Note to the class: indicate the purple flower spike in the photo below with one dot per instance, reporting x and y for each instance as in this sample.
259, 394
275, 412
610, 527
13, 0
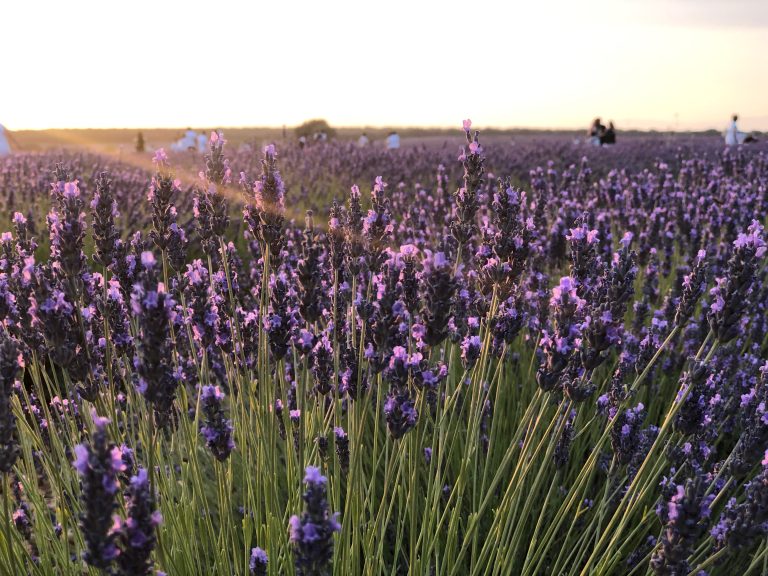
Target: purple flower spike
685, 515
342, 448
732, 292
136, 535
217, 429
98, 465
9, 367
258, 562
311, 534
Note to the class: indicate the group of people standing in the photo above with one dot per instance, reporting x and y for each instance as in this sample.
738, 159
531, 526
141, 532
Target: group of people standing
191, 140
599, 135
392, 142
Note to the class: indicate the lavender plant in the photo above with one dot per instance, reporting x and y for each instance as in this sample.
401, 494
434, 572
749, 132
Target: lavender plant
559, 369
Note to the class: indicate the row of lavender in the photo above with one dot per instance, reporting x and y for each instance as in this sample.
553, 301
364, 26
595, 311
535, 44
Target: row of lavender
322, 172
466, 378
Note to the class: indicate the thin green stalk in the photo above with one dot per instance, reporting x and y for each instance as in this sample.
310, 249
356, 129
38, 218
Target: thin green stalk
7, 521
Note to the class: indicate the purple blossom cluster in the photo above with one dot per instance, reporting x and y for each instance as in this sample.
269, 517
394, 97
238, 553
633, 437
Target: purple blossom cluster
98, 465
217, 429
457, 308
311, 534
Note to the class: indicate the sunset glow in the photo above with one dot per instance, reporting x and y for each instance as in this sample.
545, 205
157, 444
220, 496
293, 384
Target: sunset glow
675, 64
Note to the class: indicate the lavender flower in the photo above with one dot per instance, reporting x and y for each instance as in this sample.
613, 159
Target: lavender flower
386, 317
116, 313
278, 323
586, 264
217, 429
685, 514
742, 525
753, 409
377, 226
563, 446
342, 448
310, 275
66, 229
506, 242
470, 350
136, 534
625, 433
176, 246
203, 308
162, 193
353, 233
265, 218
25, 241
409, 282
278, 409
507, 322
53, 314
732, 292
335, 237
105, 234
400, 412
693, 287
322, 446
322, 366
258, 562
464, 226
9, 367
690, 417
154, 309
351, 382
98, 465
311, 534
559, 343
210, 208
438, 286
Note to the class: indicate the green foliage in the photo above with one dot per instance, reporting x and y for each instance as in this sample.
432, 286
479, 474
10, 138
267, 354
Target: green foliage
312, 127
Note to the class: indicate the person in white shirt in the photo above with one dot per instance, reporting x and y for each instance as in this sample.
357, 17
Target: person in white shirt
363, 141
732, 135
189, 142
393, 141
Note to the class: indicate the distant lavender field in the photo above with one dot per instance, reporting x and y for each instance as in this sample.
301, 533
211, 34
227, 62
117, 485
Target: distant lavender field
480, 356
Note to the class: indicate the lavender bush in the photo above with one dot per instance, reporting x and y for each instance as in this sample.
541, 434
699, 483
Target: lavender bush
502, 359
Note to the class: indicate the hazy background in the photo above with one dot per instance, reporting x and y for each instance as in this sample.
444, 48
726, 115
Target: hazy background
648, 64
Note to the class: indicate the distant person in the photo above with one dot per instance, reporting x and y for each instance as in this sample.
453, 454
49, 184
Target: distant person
393, 141
187, 142
140, 145
609, 135
202, 142
596, 132
190, 140
363, 141
5, 139
733, 137
302, 142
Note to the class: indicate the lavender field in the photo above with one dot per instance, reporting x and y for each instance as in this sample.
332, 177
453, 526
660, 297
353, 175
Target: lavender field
509, 359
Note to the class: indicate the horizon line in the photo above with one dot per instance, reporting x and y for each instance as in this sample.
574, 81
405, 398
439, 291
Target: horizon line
367, 127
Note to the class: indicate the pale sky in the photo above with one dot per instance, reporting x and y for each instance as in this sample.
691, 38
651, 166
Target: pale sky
664, 64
